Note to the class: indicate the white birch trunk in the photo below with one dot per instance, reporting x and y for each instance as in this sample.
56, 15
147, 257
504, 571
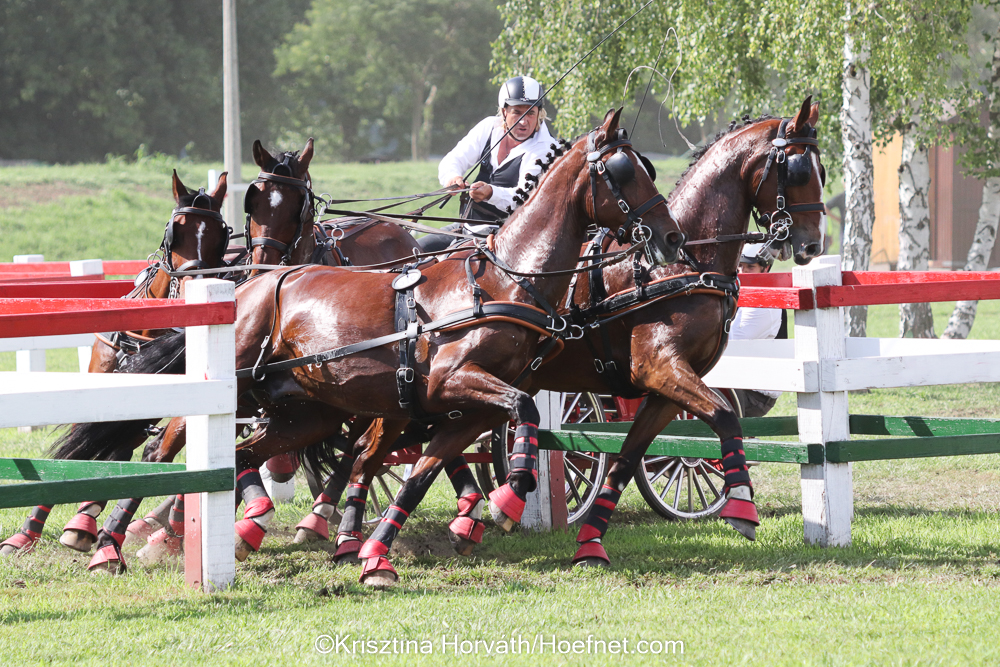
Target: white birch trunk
962, 318
856, 133
914, 229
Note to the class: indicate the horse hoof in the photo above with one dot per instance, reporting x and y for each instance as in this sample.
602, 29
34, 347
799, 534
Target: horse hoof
743, 527
306, 535
462, 546
592, 562
137, 533
243, 550
161, 548
501, 519
108, 568
379, 580
77, 540
8, 549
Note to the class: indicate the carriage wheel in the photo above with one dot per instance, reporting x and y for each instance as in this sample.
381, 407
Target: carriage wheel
678, 487
585, 471
382, 492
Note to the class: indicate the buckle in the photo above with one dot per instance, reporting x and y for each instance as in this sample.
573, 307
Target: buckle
623, 205
779, 203
536, 363
405, 374
455, 414
598, 366
572, 335
707, 282
552, 327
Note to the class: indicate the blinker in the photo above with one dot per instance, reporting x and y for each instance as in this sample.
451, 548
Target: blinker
621, 168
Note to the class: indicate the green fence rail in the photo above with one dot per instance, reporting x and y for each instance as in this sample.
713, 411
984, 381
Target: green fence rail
926, 437
53, 482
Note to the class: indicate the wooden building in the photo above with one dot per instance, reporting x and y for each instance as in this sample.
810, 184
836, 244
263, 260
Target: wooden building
954, 202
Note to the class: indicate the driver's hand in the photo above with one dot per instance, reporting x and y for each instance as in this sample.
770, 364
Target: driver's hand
480, 191
458, 183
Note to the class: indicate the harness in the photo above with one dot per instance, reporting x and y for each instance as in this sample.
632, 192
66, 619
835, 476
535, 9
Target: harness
604, 309
541, 318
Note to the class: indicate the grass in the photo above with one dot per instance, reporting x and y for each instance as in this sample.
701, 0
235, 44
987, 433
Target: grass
919, 584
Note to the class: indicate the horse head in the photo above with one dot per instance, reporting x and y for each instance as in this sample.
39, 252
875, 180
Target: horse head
621, 194
787, 179
279, 205
196, 236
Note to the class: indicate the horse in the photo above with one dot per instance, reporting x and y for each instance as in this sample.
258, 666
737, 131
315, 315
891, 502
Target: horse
301, 334
663, 328
195, 237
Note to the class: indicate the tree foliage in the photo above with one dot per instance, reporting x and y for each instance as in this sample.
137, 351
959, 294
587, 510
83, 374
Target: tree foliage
358, 75
83, 78
760, 56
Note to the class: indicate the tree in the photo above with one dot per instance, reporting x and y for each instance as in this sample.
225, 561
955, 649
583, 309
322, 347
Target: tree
982, 160
862, 61
362, 76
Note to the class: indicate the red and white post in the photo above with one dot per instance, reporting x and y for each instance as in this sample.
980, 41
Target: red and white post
827, 489
209, 539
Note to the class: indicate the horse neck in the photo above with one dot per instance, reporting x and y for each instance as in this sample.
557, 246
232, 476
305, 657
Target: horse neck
713, 199
159, 287
547, 232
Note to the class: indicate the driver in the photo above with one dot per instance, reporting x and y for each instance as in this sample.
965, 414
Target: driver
504, 159
756, 323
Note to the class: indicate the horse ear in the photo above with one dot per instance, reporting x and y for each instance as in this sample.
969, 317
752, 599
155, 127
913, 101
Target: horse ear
179, 188
220, 189
802, 117
306, 156
609, 125
814, 114
261, 156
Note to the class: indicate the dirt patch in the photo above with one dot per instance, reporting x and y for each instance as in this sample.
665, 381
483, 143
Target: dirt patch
38, 193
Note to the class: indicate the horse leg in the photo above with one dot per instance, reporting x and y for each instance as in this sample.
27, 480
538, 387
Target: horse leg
369, 452
466, 530
24, 540
653, 416
139, 530
316, 525
257, 514
686, 389
167, 543
507, 502
108, 559
377, 570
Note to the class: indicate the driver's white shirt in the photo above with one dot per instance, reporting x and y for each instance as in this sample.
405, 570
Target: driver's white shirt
466, 154
756, 324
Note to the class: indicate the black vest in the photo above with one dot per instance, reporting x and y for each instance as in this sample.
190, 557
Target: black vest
507, 176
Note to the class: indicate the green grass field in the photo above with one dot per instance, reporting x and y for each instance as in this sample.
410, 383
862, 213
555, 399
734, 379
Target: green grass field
919, 586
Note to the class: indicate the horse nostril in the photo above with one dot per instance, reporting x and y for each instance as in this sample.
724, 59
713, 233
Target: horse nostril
813, 250
674, 239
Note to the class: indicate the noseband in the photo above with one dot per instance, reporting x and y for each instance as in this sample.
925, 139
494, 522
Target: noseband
617, 172
779, 221
201, 206
307, 213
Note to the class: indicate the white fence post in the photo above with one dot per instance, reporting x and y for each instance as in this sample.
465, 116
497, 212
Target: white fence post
211, 354
538, 506
29, 361
28, 259
85, 267
827, 489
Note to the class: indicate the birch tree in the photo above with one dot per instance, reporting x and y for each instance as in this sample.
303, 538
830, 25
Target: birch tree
914, 227
982, 159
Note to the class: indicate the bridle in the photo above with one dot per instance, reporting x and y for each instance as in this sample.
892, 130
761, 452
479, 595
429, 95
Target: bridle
202, 207
306, 214
779, 221
618, 171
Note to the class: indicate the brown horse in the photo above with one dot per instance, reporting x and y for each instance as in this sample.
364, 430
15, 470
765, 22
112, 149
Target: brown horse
460, 374
195, 237
670, 327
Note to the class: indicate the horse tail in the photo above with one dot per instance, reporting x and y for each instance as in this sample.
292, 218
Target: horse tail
103, 440
322, 457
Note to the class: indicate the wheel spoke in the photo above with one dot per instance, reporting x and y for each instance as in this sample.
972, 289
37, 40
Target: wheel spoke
690, 483
576, 494
701, 494
569, 410
708, 480
670, 481
670, 462
576, 471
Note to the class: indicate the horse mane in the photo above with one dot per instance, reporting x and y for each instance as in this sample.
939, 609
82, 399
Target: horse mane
556, 150
733, 126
